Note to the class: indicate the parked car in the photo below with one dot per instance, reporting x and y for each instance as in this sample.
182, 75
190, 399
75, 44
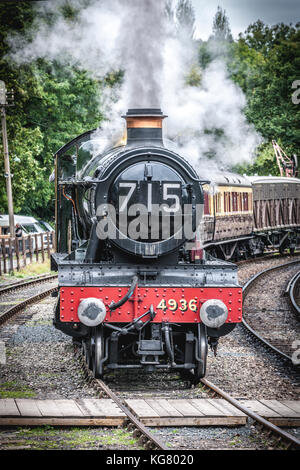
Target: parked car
29, 225
45, 226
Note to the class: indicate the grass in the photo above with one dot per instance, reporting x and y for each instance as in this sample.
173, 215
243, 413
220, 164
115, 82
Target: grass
15, 390
33, 269
48, 437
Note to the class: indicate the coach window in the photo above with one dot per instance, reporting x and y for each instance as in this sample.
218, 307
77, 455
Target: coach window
234, 201
206, 203
218, 203
228, 208
245, 202
241, 202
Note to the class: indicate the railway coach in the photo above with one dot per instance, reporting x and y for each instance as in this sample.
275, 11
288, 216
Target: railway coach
244, 216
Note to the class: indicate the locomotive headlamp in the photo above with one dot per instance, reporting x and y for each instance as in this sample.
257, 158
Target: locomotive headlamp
214, 313
91, 311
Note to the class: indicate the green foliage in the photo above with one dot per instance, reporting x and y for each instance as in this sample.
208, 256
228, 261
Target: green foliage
264, 165
265, 62
221, 28
218, 44
194, 76
185, 16
53, 104
15, 390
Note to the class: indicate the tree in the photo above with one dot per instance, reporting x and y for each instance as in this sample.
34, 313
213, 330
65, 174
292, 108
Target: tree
185, 15
221, 28
219, 43
53, 104
169, 10
265, 64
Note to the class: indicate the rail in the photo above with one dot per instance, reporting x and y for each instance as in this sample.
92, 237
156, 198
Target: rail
293, 290
292, 440
5, 316
249, 284
146, 438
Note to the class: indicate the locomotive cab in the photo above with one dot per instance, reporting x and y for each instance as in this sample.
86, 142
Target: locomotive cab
136, 288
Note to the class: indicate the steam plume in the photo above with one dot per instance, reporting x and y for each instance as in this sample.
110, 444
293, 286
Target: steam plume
134, 35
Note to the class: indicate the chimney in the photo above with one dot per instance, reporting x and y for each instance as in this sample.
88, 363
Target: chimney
144, 125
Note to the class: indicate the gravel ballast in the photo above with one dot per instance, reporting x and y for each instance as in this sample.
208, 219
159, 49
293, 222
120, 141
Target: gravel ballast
41, 362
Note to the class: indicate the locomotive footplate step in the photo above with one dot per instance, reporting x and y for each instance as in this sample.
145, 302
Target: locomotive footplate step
152, 412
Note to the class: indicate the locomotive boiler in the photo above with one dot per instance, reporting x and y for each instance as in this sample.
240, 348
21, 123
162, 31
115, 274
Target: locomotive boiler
136, 289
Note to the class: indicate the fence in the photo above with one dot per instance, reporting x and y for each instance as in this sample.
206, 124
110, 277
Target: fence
17, 252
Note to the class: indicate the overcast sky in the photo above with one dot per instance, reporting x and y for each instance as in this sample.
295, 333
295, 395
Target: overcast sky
241, 13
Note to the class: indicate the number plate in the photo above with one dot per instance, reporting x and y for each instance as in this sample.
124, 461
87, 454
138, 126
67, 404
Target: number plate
173, 305
150, 193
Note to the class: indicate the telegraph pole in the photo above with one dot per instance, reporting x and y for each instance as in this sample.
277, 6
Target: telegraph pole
3, 104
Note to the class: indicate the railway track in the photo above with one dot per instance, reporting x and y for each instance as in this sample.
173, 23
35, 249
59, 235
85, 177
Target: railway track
276, 436
145, 437
279, 434
293, 291
268, 256
27, 282
255, 320
18, 307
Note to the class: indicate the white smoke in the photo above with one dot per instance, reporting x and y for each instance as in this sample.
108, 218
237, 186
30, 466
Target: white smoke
134, 35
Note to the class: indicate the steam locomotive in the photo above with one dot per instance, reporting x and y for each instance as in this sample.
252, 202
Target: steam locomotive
136, 288
143, 248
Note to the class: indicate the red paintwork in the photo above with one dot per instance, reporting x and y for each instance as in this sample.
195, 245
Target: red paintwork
142, 299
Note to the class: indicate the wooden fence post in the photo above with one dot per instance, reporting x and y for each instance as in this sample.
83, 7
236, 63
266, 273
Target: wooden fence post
48, 245
4, 255
30, 247
42, 247
53, 241
17, 241
36, 247
11, 261
24, 250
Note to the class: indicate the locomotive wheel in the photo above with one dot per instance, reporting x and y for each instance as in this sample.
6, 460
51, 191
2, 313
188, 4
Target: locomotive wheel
200, 370
97, 352
198, 373
87, 352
